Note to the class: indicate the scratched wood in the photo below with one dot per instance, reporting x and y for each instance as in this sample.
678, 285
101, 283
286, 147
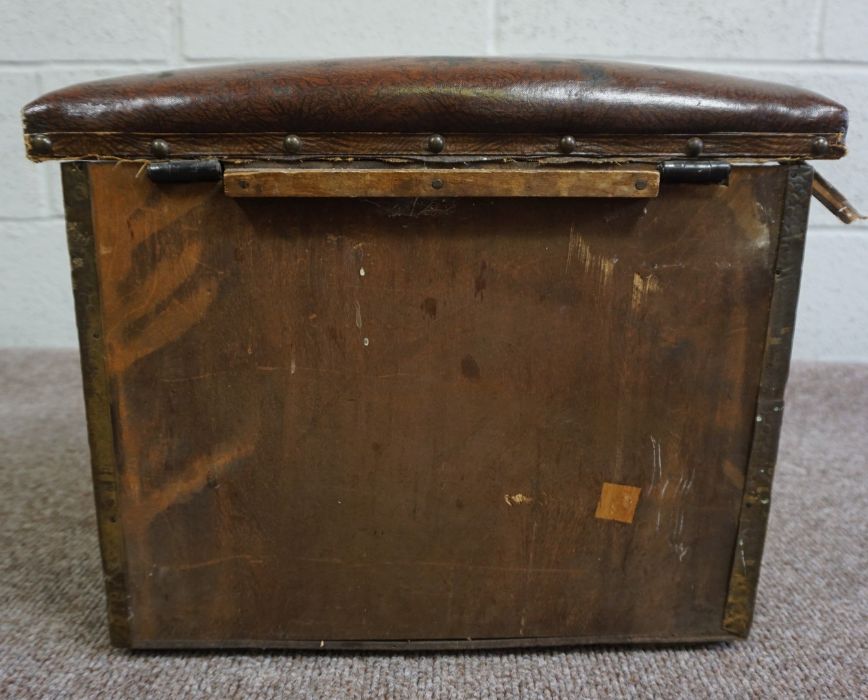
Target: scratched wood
392, 419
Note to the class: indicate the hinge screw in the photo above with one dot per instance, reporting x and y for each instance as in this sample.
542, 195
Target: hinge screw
567, 144
160, 148
694, 146
292, 144
436, 143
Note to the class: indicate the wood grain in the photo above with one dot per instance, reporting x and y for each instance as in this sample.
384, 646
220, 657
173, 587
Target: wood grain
440, 182
362, 421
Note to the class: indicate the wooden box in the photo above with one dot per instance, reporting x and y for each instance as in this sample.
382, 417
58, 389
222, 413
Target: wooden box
433, 353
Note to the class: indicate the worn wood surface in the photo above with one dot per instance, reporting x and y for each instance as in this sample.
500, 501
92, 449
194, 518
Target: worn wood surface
440, 182
389, 419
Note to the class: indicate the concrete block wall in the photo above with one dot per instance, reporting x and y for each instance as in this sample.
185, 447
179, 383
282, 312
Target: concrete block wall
819, 44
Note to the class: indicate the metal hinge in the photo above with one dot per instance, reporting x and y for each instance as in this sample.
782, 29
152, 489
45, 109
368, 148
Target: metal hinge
203, 170
697, 172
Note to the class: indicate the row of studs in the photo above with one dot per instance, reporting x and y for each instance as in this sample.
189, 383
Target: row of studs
41, 145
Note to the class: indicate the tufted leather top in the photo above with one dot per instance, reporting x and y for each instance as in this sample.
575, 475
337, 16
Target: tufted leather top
490, 95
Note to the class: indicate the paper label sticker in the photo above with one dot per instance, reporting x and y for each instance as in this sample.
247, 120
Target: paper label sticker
618, 502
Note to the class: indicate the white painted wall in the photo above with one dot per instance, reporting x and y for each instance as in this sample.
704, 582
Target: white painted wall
819, 44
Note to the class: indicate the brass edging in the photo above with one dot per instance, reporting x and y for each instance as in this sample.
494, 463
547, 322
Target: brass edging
97, 394
753, 518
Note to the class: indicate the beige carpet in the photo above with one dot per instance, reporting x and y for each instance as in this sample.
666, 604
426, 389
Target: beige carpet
810, 637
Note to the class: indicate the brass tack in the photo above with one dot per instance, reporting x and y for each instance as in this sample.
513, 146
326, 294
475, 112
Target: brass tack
160, 148
819, 145
694, 146
436, 143
567, 144
41, 145
292, 144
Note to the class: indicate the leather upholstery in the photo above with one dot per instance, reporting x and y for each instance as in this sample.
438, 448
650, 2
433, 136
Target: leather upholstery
490, 95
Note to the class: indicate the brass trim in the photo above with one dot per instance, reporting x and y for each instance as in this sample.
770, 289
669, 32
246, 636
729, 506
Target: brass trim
97, 394
753, 518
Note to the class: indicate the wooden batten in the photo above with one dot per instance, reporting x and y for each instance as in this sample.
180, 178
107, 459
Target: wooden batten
440, 182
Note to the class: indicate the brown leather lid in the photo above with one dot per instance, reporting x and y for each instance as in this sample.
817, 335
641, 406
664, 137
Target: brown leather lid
417, 95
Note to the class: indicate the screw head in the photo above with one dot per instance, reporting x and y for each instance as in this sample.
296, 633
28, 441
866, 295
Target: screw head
436, 143
640, 184
819, 145
437, 183
694, 146
567, 144
160, 148
40, 145
292, 144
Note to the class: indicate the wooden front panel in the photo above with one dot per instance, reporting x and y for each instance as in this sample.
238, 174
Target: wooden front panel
392, 419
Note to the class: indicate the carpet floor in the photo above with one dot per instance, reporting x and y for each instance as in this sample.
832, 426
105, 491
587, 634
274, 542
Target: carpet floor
809, 640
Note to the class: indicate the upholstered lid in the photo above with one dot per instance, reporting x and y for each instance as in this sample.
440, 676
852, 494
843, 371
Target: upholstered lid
248, 110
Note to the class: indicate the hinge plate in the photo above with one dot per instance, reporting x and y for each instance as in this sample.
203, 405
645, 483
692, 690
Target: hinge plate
696, 172
200, 170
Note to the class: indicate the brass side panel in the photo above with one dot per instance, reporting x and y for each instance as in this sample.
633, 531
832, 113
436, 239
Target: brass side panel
770, 404
97, 393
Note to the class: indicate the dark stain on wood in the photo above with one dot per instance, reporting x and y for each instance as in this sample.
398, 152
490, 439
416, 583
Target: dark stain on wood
479, 282
469, 368
429, 306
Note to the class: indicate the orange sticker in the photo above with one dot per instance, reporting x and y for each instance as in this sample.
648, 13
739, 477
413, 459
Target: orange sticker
618, 502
